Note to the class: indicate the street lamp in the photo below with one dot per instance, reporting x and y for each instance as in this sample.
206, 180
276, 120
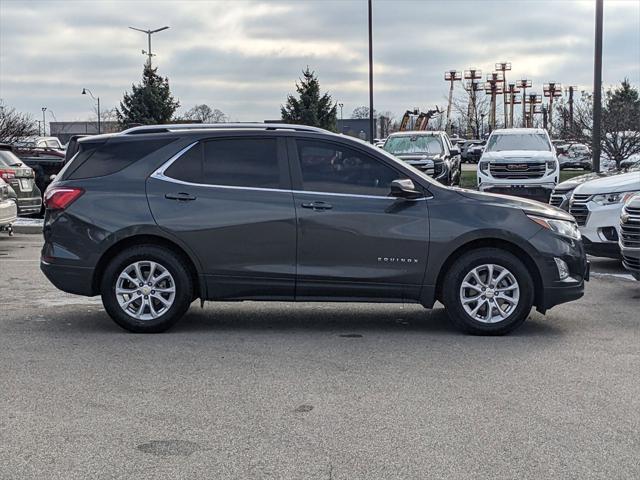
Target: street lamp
504, 67
493, 87
44, 124
472, 86
84, 92
451, 76
523, 85
552, 90
149, 33
341, 105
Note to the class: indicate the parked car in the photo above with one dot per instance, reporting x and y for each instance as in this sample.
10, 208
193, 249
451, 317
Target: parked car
630, 236
155, 217
562, 193
429, 151
577, 155
22, 180
464, 149
474, 152
8, 209
597, 205
520, 162
44, 154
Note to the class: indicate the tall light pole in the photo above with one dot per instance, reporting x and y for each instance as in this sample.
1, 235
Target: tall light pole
523, 85
493, 87
149, 33
341, 105
451, 76
571, 90
371, 127
44, 122
84, 92
504, 67
511, 90
597, 89
533, 100
472, 86
552, 90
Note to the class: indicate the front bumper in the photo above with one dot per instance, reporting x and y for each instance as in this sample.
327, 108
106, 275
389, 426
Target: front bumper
540, 192
8, 212
631, 260
601, 230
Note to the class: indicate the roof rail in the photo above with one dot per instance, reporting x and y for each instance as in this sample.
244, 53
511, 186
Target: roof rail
219, 126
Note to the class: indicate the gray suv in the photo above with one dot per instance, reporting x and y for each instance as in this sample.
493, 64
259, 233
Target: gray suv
154, 218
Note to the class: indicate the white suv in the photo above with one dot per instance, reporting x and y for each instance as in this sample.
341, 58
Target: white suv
519, 161
596, 205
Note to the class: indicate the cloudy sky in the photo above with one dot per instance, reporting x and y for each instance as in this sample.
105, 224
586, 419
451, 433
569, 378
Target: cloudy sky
244, 56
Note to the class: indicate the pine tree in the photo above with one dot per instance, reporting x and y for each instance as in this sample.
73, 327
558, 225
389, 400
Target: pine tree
150, 102
310, 108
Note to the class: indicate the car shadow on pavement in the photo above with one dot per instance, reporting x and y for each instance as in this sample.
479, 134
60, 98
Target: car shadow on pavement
341, 319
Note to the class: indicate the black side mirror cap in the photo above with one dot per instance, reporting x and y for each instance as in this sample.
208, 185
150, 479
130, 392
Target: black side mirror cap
404, 188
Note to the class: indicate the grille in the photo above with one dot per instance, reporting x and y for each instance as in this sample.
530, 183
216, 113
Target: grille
556, 199
630, 229
517, 171
4, 192
631, 263
578, 208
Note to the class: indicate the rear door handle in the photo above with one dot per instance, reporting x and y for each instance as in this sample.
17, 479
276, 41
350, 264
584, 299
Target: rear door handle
184, 197
318, 205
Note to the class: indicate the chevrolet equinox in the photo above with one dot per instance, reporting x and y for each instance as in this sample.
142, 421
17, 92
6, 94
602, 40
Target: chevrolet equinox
156, 217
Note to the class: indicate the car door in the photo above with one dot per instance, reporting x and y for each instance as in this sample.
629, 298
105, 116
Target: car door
230, 201
354, 240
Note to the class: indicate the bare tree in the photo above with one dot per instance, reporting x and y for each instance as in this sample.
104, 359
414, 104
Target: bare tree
620, 124
15, 125
362, 112
470, 113
205, 114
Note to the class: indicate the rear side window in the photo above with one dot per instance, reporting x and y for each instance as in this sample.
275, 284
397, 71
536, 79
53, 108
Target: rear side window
238, 162
112, 157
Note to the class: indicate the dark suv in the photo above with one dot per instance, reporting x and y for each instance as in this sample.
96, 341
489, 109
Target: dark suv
155, 217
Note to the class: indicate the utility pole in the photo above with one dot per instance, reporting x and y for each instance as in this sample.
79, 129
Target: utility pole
371, 127
472, 86
597, 89
551, 90
493, 87
523, 85
451, 76
545, 111
149, 33
511, 100
44, 122
504, 67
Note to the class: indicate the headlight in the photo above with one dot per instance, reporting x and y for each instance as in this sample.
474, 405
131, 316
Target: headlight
612, 198
561, 227
484, 167
551, 165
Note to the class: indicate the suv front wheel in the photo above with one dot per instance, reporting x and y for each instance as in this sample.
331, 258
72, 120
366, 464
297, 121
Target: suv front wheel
146, 289
488, 292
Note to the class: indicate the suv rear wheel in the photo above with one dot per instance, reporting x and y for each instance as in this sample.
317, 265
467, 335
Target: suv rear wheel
146, 289
488, 292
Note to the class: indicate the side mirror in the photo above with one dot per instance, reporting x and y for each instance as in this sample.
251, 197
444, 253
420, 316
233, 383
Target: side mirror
405, 188
52, 177
454, 151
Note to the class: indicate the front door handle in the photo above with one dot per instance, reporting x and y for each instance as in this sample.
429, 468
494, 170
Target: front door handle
183, 197
318, 205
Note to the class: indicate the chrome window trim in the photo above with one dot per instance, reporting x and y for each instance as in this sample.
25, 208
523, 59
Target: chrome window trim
159, 174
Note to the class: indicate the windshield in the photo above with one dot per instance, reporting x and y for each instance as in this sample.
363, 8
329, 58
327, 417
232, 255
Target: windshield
523, 141
52, 144
8, 159
414, 144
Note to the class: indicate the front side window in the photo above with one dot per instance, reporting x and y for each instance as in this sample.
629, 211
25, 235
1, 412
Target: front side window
328, 167
237, 162
413, 144
531, 142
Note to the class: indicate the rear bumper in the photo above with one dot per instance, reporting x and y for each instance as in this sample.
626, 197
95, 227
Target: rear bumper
70, 279
29, 205
8, 212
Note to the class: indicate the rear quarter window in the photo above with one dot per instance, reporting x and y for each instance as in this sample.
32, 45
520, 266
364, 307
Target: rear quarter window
111, 157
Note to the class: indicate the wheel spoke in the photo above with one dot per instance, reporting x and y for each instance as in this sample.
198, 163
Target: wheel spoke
489, 275
152, 309
506, 298
161, 277
133, 298
164, 301
501, 276
474, 274
472, 286
139, 276
125, 291
165, 290
152, 269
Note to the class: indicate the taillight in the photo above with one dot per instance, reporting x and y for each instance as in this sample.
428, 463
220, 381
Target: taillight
7, 174
59, 198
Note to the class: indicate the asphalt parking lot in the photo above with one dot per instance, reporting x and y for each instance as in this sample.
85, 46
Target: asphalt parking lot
314, 391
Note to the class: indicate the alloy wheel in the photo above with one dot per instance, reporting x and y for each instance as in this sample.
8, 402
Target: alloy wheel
489, 293
145, 290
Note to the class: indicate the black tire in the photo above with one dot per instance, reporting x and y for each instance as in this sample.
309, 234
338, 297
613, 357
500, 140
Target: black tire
173, 263
458, 271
